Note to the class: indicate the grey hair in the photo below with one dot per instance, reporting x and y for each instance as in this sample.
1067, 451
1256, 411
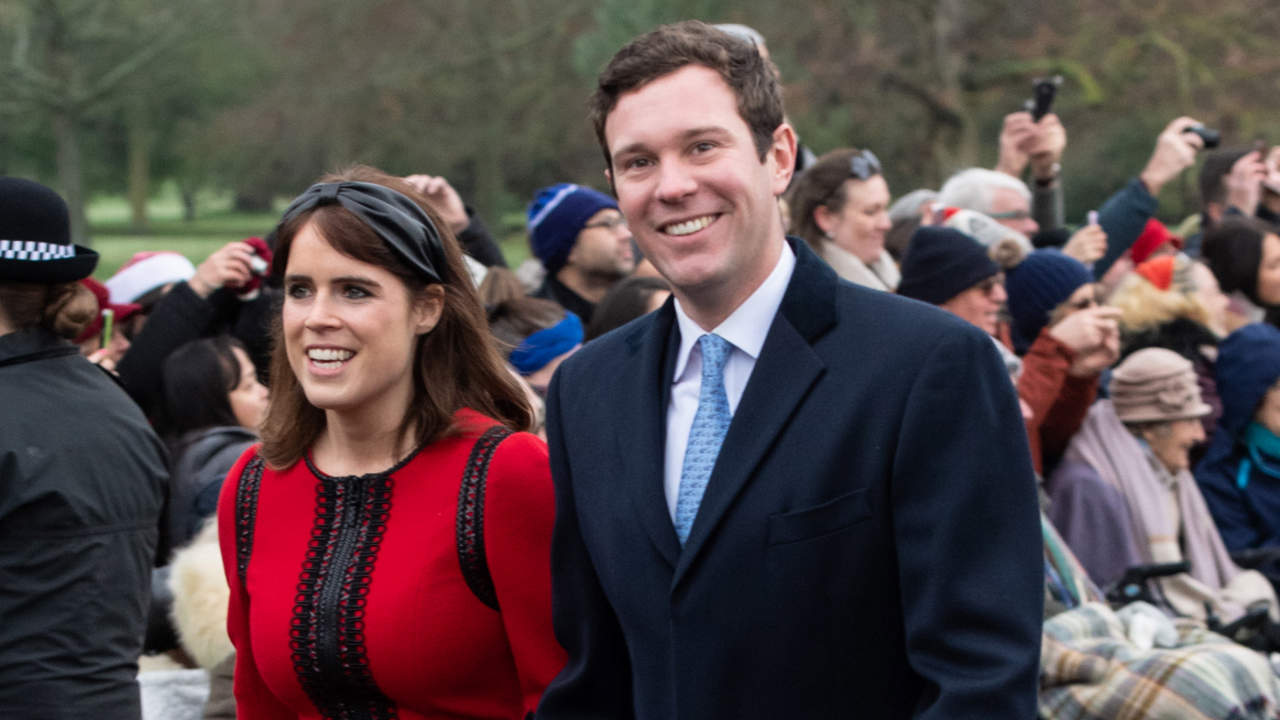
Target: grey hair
970, 189
908, 206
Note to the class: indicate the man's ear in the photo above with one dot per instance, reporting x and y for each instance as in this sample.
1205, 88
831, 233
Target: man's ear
782, 156
428, 306
608, 176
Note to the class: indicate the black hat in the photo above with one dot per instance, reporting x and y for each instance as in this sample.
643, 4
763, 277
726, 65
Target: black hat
941, 263
35, 236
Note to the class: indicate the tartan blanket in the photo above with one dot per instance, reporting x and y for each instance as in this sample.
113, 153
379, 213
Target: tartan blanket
1088, 669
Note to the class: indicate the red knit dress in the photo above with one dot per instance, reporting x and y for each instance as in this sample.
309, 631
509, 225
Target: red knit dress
354, 604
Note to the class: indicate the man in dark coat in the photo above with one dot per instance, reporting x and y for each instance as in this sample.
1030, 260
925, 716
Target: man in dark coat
82, 480
779, 496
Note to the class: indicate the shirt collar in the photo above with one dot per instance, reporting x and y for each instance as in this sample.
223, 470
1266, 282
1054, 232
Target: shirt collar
748, 325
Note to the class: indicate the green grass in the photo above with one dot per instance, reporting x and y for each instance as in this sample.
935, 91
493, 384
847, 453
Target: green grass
216, 224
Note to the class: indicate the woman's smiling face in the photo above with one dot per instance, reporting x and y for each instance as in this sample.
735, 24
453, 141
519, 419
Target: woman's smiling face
350, 329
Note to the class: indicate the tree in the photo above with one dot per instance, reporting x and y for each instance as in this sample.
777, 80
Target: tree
66, 58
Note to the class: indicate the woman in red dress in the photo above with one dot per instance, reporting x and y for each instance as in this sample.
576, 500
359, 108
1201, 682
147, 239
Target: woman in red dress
388, 544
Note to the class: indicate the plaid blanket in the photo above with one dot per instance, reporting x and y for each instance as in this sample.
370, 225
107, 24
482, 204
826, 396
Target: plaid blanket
1088, 669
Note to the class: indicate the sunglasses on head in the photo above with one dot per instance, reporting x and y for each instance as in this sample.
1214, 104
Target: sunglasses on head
864, 164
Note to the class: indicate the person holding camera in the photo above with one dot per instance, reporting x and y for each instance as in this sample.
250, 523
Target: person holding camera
224, 294
1026, 142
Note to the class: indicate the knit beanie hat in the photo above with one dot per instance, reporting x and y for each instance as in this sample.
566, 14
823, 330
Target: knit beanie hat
1156, 385
557, 215
146, 271
1248, 365
1154, 235
35, 236
1037, 285
942, 263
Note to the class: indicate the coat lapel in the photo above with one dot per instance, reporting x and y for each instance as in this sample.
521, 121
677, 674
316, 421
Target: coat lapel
647, 374
783, 375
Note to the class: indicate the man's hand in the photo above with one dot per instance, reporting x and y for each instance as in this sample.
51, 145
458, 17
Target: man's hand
1045, 148
1093, 335
1244, 183
1014, 137
443, 198
228, 266
1088, 244
1024, 141
1175, 151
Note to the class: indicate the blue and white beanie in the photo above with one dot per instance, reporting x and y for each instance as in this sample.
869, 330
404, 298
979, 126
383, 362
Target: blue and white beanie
557, 215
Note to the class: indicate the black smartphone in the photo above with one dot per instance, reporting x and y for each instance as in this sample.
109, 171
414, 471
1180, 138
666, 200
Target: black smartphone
1043, 91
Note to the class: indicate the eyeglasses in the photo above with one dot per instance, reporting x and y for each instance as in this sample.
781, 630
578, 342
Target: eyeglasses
1092, 300
609, 223
986, 287
1010, 215
864, 164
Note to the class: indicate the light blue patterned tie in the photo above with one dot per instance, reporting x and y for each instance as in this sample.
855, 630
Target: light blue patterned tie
710, 423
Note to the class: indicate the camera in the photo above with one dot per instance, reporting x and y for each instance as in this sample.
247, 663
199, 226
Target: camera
1043, 91
1210, 136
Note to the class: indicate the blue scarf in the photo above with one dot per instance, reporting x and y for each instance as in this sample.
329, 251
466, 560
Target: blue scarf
546, 345
1262, 445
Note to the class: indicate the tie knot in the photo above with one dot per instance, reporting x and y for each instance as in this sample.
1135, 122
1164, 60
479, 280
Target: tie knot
715, 352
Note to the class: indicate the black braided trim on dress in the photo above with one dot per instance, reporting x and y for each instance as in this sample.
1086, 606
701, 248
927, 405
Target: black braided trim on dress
246, 512
326, 634
470, 525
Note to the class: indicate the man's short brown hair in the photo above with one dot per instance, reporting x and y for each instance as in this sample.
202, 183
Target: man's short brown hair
691, 42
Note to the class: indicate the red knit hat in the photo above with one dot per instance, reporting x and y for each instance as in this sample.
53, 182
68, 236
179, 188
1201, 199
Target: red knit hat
1154, 235
1158, 271
122, 311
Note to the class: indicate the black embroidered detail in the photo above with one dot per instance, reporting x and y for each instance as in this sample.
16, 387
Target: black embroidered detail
246, 512
327, 631
470, 524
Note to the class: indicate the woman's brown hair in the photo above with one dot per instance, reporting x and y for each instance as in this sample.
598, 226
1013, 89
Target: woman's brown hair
455, 365
65, 309
822, 183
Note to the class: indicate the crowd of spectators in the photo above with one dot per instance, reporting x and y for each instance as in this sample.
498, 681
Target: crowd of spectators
1146, 364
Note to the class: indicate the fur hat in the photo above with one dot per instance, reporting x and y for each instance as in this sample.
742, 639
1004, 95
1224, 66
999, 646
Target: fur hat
1156, 385
1006, 246
35, 236
557, 215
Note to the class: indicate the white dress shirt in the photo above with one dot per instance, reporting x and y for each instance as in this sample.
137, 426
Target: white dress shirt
745, 329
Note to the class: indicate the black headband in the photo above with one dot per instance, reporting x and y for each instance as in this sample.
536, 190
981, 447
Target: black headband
399, 221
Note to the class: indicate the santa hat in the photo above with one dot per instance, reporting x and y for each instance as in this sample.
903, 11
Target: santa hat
147, 271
